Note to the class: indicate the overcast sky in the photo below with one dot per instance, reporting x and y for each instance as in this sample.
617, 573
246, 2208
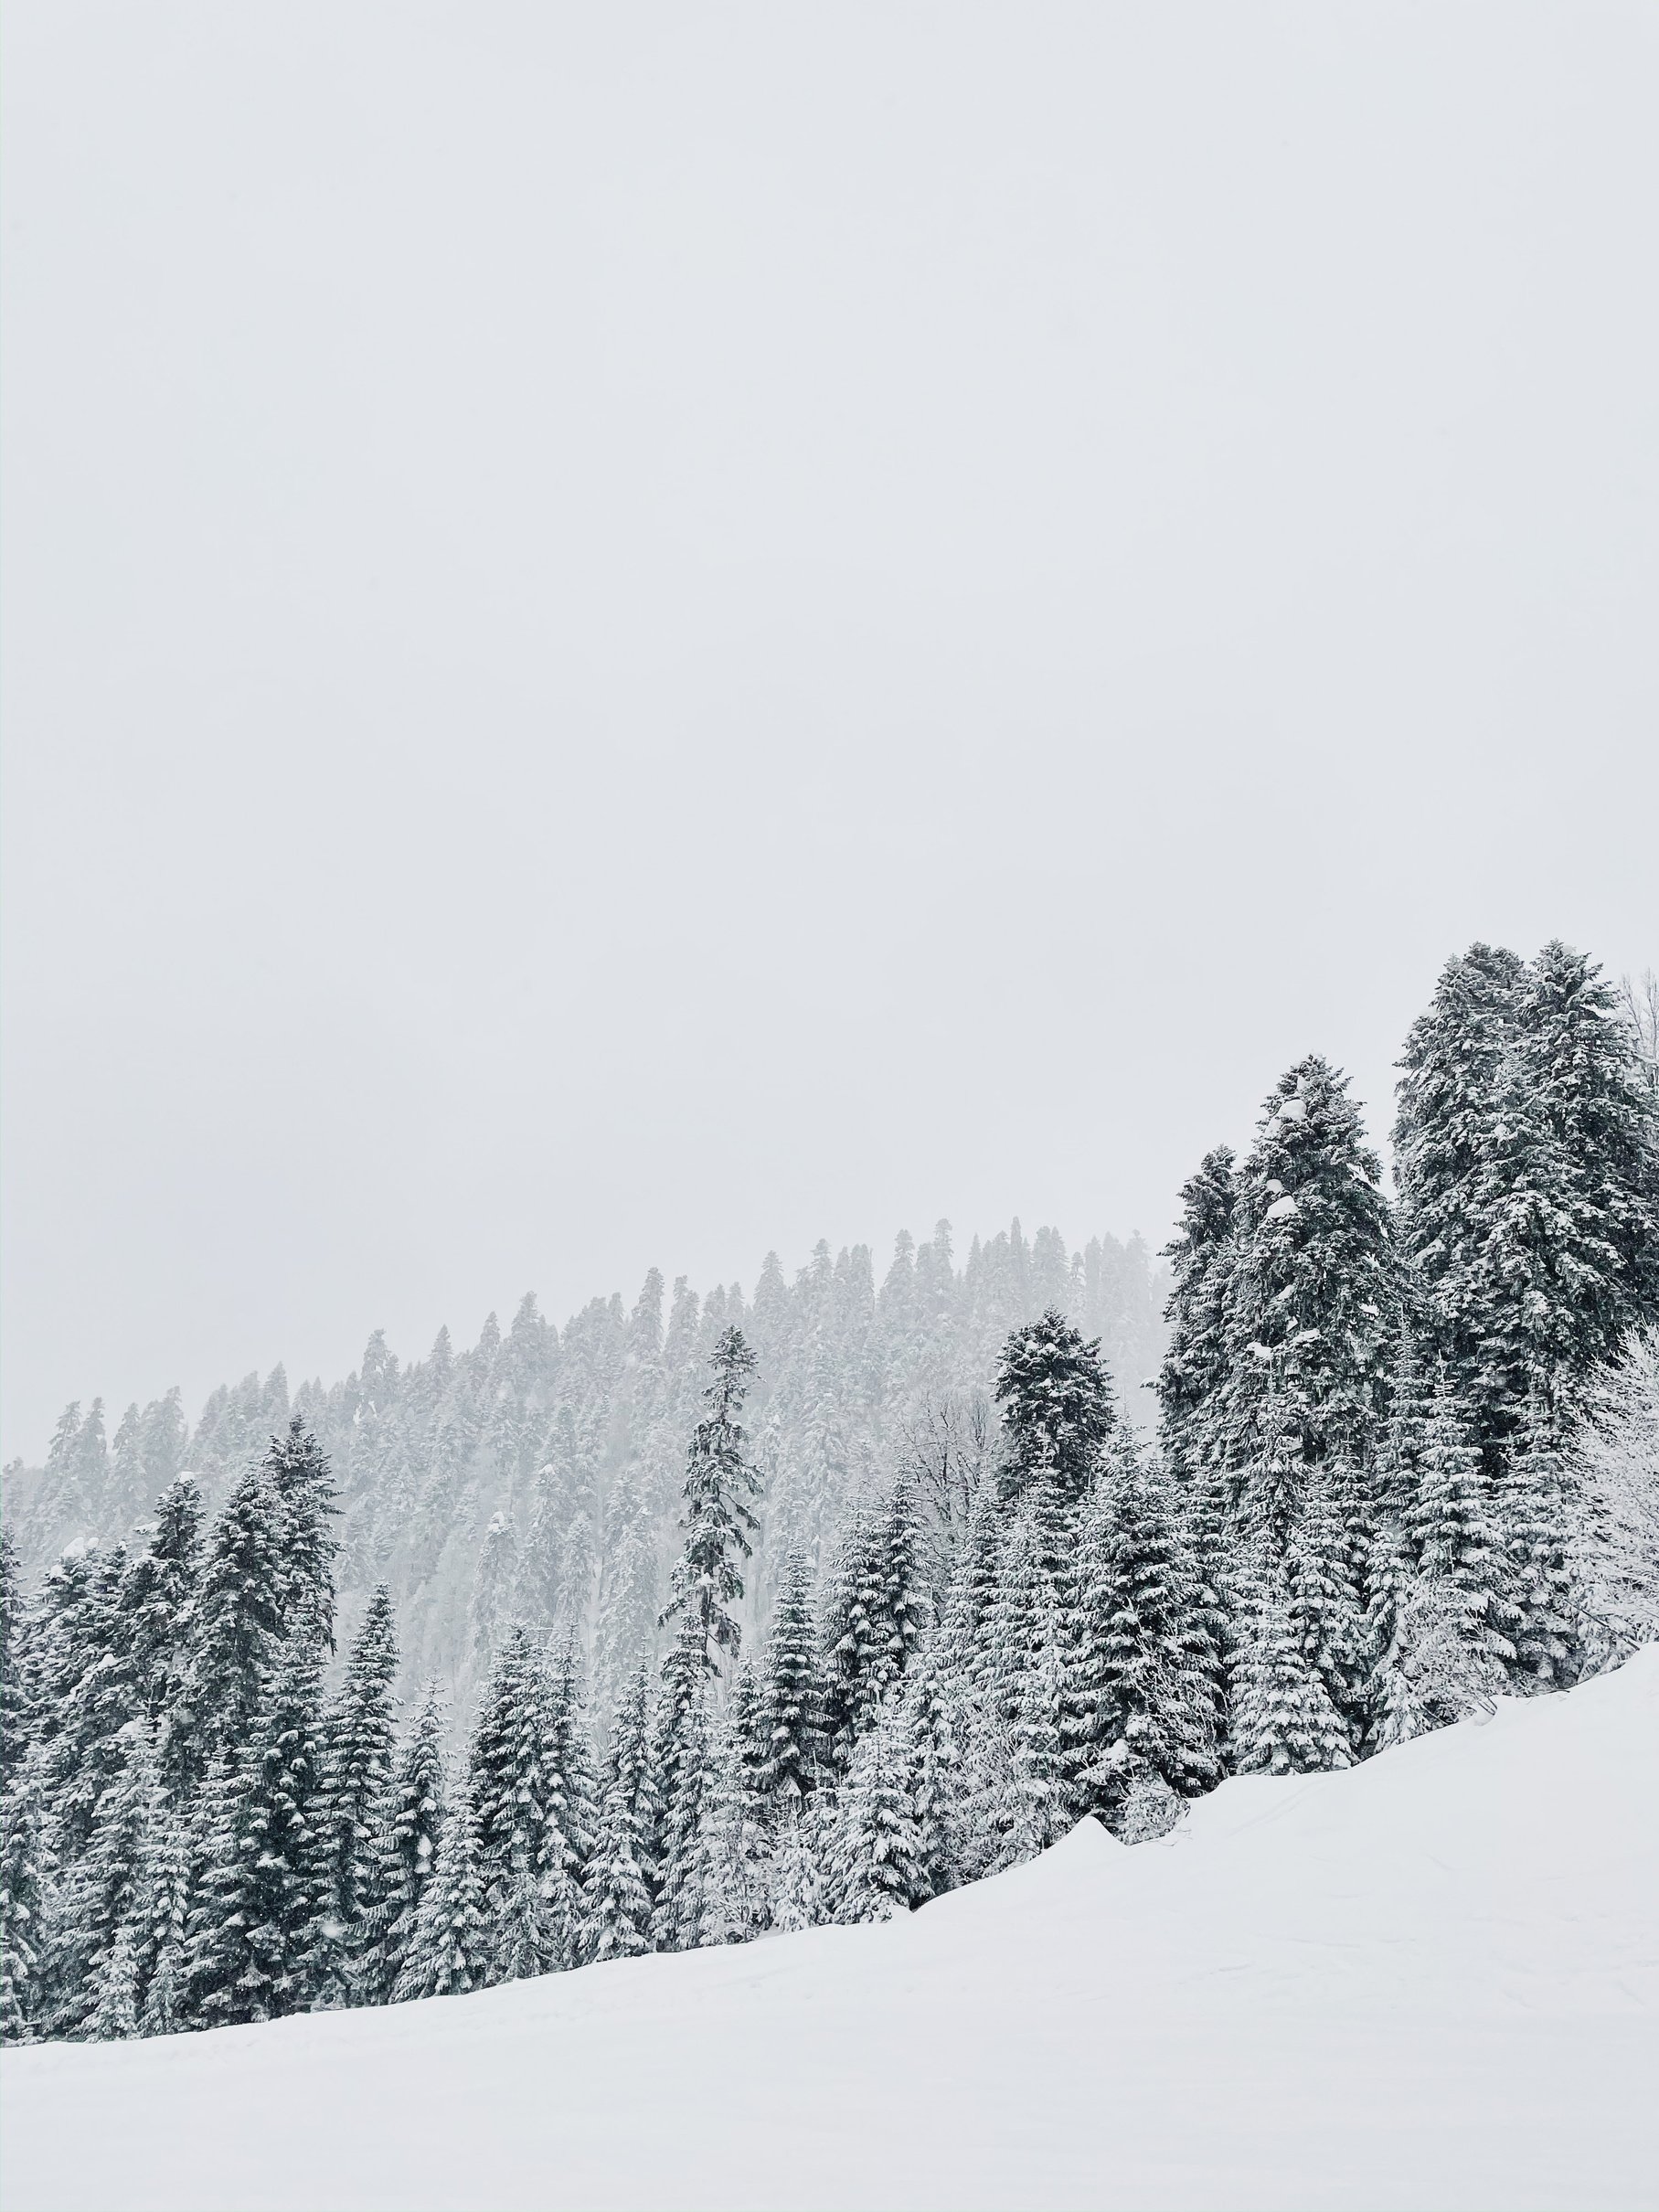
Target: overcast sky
634, 635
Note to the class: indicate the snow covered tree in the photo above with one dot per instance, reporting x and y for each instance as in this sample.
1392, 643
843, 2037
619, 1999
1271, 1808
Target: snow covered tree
1614, 1466
408, 1845
165, 1913
619, 1874
720, 1893
508, 1792
1148, 1699
1058, 1413
1194, 1363
907, 1611
354, 1806
1450, 1110
682, 1757
84, 1691
158, 1596
794, 1747
718, 1520
15, 1715
935, 1707
877, 1859
1528, 1167
972, 1591
1567, 1201
240, 1623
254, 1930
796, 1890
1452, 1526
1536, 1511
856, 1638
1311, 1310
101, 1929
1284, 1719
300, 1477
572, 1804
452, 1948
26, 1872
1030, 1693
495, 1586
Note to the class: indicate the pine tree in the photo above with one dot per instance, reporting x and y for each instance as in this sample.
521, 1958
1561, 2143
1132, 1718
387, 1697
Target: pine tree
99, 1991
1195, 1363
494, 1587
1565, 1202
255, 1927
16, 1718
795, 1754
718, 1520
934, 1702
354, 1806
1453, 1529
905, 1613
722, 1891
1614, 1479
25, 1873
877, 1856
1537, 1515
452, 1948
1192, 1391
1312, 1315
1148, 1699
299, 1472
408, 1847
86, 1694
1031, 1683
1284, 1719
682, 1757
573, 1804
158, 1597
1449, 1111
509, 1793
618, 1891
1057, 1406
241, 1619
796, 1886
165, 1901
856, 1654
972, 1591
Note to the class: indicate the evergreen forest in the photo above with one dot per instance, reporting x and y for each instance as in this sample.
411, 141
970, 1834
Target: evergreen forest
677, 1627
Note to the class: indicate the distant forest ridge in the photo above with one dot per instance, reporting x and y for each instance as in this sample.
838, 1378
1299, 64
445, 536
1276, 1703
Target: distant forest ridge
537, 1475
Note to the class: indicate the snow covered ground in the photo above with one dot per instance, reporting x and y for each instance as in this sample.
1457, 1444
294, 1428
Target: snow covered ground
1433, 1982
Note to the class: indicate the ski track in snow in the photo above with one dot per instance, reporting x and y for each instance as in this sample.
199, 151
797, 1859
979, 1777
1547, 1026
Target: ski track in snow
1431, 1981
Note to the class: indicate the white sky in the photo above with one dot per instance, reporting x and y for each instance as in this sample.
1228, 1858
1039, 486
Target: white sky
636, 634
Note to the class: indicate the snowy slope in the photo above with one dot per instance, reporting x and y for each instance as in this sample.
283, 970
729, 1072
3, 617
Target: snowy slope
1433, 1981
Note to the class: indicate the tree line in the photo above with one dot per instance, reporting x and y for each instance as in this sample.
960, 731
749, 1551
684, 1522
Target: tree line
1408, 1459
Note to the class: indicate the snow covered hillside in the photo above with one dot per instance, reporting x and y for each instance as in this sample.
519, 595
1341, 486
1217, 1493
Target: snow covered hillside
1431, 1980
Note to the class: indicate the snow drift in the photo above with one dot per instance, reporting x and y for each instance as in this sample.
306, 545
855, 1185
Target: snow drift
1432, 1981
